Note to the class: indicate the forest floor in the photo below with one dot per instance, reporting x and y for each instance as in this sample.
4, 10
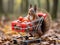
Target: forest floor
52, 37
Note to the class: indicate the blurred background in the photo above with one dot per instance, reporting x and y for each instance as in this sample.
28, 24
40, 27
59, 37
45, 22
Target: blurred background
11, 9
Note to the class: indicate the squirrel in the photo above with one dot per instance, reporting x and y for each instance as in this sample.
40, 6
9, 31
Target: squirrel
32, 13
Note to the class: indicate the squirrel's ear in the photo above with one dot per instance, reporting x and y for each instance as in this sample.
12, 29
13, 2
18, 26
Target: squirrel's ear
30, 5
35, 8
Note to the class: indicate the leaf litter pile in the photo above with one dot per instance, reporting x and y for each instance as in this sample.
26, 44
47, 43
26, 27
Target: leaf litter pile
52, 37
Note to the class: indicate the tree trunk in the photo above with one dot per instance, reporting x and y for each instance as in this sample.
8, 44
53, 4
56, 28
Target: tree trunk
47, 7
10, 6
1, 9
39, 3
24, 6
54, 9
